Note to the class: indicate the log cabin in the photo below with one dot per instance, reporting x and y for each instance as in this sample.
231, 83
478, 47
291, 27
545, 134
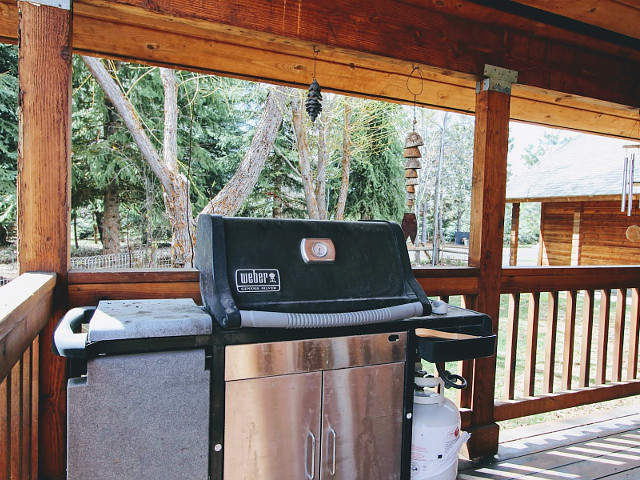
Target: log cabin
583, 219
571, 65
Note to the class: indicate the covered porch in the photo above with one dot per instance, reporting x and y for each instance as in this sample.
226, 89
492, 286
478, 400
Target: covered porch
602, 445
579, 342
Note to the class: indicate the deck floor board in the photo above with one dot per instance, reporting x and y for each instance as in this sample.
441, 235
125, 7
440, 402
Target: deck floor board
601, 446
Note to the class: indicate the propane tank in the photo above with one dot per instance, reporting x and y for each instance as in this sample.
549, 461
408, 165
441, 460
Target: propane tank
436, 438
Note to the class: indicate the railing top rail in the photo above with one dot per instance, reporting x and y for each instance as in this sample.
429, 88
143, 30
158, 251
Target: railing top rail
19, 299
556, 279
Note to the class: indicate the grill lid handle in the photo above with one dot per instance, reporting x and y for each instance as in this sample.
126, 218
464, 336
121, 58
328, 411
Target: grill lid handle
258, 318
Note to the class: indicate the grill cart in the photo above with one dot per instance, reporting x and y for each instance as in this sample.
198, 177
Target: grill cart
300, 366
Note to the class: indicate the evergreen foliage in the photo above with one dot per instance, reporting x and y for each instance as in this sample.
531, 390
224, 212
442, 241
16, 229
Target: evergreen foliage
8, 137
216, 119
376, 186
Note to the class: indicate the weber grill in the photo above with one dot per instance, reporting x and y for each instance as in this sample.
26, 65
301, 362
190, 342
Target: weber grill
300, 360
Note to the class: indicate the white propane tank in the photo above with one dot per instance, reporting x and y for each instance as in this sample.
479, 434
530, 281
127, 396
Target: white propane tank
436, 438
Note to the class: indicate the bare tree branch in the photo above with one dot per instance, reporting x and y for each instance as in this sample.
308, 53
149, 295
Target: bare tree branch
229, 200
346, 162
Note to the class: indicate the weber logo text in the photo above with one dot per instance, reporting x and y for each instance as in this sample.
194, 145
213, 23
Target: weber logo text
258, 280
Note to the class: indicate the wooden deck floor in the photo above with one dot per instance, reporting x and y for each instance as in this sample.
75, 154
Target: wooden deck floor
605, 445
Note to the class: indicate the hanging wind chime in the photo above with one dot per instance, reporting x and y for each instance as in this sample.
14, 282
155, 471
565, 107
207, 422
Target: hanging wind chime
627, 177
412, 155
314, 97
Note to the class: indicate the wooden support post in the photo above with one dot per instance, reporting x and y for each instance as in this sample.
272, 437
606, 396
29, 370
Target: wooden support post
515, 229
485, 249
576, 237
44, 196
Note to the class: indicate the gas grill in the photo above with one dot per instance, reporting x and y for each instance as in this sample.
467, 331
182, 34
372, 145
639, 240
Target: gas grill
300, 361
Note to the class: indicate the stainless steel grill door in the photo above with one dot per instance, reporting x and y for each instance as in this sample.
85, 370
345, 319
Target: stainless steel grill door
362, 423
272, 427
278, 395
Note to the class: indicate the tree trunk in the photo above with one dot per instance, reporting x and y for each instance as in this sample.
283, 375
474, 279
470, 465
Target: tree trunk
147, 229
346, 162
229, 200
175, 185
302, 145
129, 116
437, 197
99, 222
321, 170
277, 197
75, 228
111, 220
111, 213
176, 194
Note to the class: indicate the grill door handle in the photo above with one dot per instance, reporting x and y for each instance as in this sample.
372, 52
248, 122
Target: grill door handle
334, 437
310, 473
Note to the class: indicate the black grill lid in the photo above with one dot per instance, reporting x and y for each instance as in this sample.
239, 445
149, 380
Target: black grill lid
303, 267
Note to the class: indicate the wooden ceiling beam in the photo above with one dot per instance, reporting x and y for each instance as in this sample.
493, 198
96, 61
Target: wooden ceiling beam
459, 36
620, 16
115, 30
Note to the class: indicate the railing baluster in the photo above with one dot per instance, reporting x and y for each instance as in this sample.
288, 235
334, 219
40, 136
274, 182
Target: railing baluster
587, 338
512, 346
14, 421
4, 428
569, 340
618, 335
532, 344
25, 413
469, 301
632, 364
550, 351
35, 391
603, 336
466, 367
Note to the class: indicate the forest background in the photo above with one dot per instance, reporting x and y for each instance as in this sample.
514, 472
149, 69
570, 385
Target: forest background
152, 148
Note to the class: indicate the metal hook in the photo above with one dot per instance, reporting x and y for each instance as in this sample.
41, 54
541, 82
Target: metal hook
414, 69
415, 94
316, 51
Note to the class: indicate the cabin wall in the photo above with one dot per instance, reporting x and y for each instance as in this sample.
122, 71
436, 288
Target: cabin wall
587, 233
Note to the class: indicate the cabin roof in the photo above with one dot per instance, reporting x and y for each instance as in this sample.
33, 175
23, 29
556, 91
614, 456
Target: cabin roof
587, 167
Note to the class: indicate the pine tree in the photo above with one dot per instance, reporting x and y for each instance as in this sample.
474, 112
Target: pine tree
376, 185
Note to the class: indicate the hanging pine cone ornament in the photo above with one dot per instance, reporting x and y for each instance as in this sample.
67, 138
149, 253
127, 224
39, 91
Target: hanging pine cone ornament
314, 99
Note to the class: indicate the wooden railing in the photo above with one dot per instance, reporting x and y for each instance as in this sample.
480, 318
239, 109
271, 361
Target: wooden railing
588, 319
537, 379
543, 368
25, 307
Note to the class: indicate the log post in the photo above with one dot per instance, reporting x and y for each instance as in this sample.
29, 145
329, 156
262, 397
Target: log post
515, 230
44, 195
488, 194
